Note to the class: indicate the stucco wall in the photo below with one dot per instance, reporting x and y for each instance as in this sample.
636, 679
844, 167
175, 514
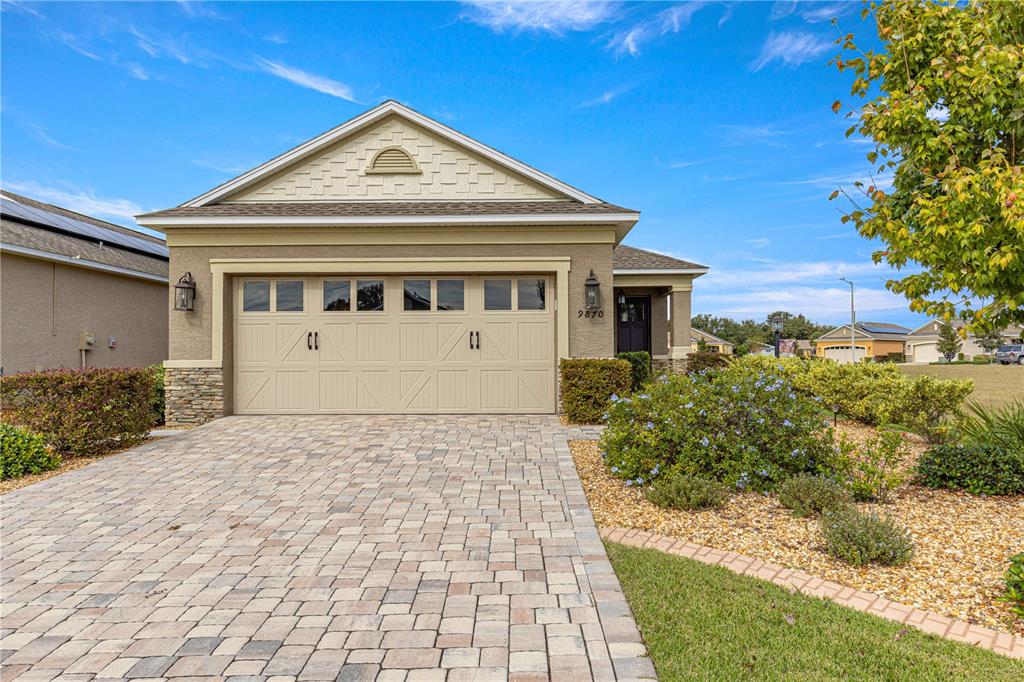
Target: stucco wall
46, 305
191, 332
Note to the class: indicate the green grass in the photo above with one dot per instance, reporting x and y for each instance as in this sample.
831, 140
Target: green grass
994, 385
707, 623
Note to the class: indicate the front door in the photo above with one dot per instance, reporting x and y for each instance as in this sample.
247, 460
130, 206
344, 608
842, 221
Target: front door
634, 324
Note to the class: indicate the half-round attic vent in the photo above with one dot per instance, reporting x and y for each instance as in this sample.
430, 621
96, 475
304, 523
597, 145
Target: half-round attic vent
393, 160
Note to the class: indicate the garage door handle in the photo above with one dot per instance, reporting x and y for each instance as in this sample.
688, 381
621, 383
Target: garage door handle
316, 340
471, 346
309, 340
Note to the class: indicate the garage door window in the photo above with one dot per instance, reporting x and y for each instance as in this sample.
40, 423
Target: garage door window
337, 295
290, 296
451, 294
416, 294
497, 294
370, 295
256, 296
530, 294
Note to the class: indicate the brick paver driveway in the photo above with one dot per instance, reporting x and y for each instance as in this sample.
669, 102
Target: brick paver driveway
316, 548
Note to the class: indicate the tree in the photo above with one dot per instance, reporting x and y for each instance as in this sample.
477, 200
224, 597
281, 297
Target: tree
990, 340
702, 345
944, 105
949, 341
796, 326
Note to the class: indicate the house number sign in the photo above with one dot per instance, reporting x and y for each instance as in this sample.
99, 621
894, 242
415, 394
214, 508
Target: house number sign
589, 313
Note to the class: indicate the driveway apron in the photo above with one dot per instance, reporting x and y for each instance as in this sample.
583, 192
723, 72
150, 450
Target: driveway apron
318, 548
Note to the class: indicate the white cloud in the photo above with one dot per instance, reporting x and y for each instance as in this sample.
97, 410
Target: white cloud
938, 112
552, 16
305, 79
743, 133
791, 48
771, 272
136, 71
759, 243
162, 46
228, 169
80, 200
21, 7
826, 12
75, 43
825, 303
43, 134
198, 10
276, 39
606, 97
782, 9
685, 163
670, 20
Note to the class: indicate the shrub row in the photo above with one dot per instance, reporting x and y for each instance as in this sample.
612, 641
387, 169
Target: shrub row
23, 453
590, 384
82, 411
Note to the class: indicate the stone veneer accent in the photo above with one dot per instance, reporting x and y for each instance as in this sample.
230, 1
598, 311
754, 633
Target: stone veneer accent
193, 395
674, 365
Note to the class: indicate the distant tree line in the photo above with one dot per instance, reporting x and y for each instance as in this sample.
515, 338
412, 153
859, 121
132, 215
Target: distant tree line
749, 331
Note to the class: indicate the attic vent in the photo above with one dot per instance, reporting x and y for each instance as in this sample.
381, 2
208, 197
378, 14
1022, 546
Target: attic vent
393, 160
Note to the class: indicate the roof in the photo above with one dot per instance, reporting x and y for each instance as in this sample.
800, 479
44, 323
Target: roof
357, 209
882, 331
708, 336
49, 242
387, 108
926, 329
631, 258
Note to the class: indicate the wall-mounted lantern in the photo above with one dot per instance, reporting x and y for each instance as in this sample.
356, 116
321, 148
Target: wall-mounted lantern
592, 292
185, 293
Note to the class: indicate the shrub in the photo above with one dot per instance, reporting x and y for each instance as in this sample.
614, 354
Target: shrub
739, 425
810, 495
926, 405
861, 538
978, 468
1014, 580
1000, 426
589, 384
705, 361
873, 472
896, 357
683, 491
23, 453
640, 364
982, 360
82, 411
158, 394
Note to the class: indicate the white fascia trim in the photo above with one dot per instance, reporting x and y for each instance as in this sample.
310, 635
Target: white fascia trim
369, 117
543, 219
78, 262
677, 271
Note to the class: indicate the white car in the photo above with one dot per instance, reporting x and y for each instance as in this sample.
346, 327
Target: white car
1010, 354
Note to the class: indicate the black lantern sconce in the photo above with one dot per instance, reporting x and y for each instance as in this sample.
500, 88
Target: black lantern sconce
185, 293
776, 322
592, 292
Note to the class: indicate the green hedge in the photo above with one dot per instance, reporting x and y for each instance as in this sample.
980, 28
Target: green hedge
22, 453
641, 365
82, 411
158, 394
978, 468
705, 360
588, 385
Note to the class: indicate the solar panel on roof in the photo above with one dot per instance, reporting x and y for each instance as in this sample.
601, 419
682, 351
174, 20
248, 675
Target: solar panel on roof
887, 329
80, 228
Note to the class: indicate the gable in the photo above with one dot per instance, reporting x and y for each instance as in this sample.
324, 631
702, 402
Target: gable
843, 332
350, 170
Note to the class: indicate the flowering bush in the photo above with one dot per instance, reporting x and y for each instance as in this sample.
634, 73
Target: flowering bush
23, 453
744, 426
82, 411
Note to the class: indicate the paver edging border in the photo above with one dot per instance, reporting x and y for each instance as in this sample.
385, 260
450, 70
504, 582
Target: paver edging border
1002, 643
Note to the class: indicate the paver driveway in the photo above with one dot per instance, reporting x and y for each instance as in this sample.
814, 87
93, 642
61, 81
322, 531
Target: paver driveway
315, 548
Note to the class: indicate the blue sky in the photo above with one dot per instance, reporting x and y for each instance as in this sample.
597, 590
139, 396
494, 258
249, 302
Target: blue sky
713, 119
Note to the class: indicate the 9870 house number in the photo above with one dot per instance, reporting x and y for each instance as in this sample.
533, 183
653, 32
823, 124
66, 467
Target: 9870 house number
589, 313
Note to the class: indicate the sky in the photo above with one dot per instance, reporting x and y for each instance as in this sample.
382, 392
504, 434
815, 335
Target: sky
713, 119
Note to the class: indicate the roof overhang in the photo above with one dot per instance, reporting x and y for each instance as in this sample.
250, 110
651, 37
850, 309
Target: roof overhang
80, 263
674, 279
379, 112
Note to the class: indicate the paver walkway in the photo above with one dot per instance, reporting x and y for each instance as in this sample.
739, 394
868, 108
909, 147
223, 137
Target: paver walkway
318, 548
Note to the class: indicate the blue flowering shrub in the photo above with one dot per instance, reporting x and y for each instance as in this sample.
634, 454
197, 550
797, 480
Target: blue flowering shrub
742, 425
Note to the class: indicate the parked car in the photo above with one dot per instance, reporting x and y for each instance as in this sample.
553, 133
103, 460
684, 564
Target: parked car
1013, 353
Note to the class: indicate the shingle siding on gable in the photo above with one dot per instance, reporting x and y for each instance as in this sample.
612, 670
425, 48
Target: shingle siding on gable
448, 173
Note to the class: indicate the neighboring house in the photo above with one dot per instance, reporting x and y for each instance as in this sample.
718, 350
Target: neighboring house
714, 343
78, 291
871, 340
395, 265
922, 343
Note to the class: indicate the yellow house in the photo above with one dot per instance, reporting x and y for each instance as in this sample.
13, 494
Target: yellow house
870, 340
714, 343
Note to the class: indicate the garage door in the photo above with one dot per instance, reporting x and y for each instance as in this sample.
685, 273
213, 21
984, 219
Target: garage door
925, 352
394, 345
842, 353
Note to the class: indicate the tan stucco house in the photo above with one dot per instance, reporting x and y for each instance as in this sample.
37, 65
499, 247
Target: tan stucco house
714, 343
76, 291
923, 342
395, 265
870, 340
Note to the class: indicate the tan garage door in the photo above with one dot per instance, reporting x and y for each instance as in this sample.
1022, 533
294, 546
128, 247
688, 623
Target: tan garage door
368, 344
841, 354
925, 352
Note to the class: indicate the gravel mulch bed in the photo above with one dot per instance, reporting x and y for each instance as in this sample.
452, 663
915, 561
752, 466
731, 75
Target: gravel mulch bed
961, 542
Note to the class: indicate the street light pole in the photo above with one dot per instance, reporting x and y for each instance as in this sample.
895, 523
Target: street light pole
853, 321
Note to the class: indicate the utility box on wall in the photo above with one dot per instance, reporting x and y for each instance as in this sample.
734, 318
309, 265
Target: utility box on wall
86, 341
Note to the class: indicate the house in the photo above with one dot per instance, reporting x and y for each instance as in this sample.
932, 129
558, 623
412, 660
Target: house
78, 291
395, 265
714, 343
922, 343
871, 340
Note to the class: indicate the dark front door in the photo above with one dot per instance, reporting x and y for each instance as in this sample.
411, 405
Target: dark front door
634, 323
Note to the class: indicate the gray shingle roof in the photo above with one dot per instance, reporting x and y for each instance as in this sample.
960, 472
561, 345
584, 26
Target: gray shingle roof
80, 216
388, 208
631, 258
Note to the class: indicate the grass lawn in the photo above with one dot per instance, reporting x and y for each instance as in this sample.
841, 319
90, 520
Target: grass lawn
993, 384
704, 622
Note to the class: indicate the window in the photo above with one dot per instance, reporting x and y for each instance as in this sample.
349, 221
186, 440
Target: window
337, 295
497, 294
290, 296
451, 294
416, 294
256, 296
531, 294
369, 295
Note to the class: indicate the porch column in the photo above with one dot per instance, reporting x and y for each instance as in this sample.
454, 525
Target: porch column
680, 322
